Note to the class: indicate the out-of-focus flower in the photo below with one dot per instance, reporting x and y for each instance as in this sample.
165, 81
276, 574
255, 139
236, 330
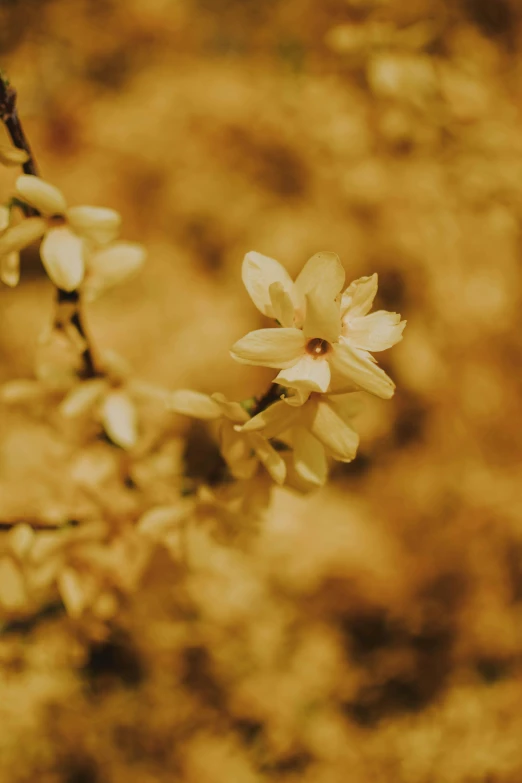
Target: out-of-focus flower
406, 76
12, 156
242, 451
111, 265
308, 349
165, 525
113, 406
88, 565
9, 262
76, 240
319, 427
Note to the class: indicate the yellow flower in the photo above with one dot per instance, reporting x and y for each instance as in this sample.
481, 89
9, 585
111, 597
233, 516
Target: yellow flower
111, 265
9, 262
12, 156
364, 331
75, 239
320, 426
242, 451
308, 348
112, 405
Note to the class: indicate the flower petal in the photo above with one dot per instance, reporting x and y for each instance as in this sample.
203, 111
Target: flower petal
12, 156
309, 373
119, 419
259, 272
41, 195
323, 316
231, 410
375, 332
270, 458
99, 224
83, 397
21, 538
358, 298
193, 403
325, 271
10, 268
62, 256
5, 217
279, 348
14, 593
282, 304
111, 265
22, 235
345, 405
297, 397
334, 433
22, 390
309, 457
157, 521
275, 419
237, 451
72, 592
350, 367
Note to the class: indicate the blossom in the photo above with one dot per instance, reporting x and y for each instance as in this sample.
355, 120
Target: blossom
112, 404
309, 348
12, 156
89, 565
364, 331
76, 240
242, 451
9, 262
319, 427
111, 265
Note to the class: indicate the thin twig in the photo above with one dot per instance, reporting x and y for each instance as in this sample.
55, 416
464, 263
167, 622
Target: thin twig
9, 116
71, 299
272, 394
42, 527
28, 624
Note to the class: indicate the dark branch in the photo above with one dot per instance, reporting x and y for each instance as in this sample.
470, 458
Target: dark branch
70, 301
272, 394
9, 116
11, 120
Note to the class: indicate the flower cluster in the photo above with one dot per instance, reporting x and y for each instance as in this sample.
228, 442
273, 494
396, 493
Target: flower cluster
77, 248
322, 346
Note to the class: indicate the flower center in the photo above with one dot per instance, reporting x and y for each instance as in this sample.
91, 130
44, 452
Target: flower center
317, 347
55, 221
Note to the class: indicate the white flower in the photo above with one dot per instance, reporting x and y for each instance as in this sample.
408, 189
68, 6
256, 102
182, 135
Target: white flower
10, 261
319, 427
111, 265
75, 239
308, 348
113, 406
242, 451
366, 332
12, 156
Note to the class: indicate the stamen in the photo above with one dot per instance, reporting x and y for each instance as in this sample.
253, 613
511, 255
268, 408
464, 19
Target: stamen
317, 347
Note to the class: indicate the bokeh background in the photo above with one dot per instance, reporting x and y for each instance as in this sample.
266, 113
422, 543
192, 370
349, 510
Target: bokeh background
370, 631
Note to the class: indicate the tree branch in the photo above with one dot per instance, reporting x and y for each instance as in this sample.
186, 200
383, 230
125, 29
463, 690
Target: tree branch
272, 394
9, 116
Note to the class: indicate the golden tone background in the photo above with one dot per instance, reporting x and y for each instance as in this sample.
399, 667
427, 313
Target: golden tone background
372, 631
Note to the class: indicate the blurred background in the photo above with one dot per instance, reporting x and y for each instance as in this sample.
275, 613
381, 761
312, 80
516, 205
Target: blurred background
372, 631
